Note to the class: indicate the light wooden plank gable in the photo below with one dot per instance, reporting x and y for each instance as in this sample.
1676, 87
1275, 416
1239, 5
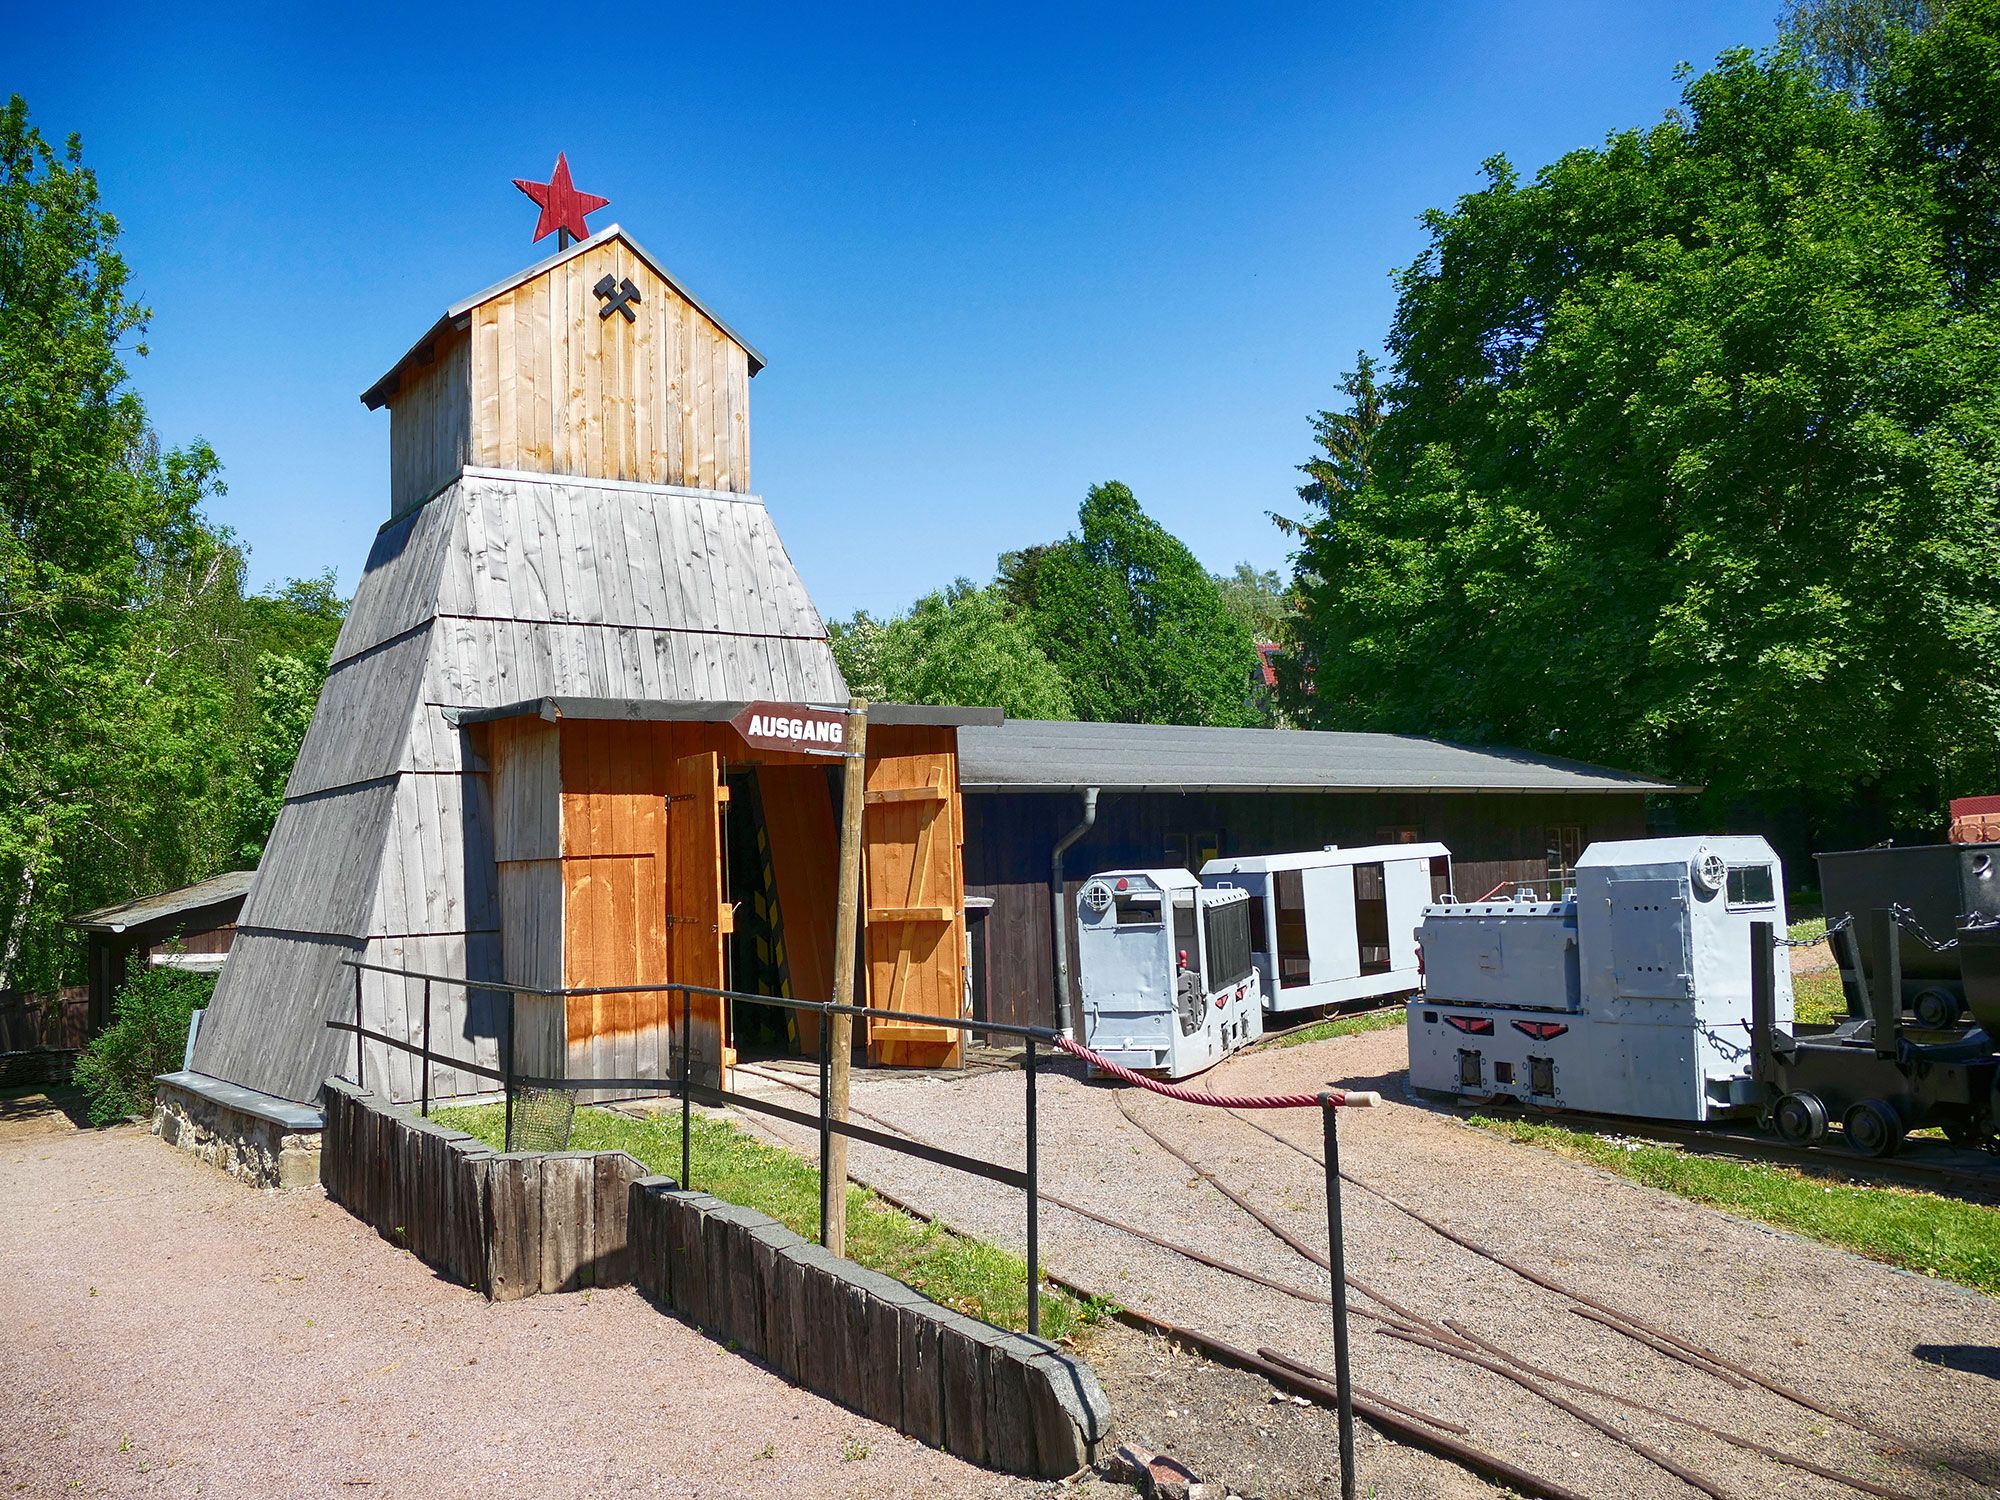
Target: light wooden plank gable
555, 388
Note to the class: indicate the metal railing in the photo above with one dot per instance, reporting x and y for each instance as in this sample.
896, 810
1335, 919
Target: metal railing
1026, 1178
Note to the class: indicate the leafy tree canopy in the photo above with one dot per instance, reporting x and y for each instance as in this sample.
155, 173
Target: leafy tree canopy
1258, 598
1690, 461
961, 645
1848, 42
132, 695
1136, 625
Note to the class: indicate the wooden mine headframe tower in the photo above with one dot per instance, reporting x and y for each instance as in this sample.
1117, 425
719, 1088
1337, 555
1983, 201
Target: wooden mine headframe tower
520, 761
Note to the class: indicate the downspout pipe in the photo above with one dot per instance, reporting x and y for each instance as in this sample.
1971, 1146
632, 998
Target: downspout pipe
1059, 913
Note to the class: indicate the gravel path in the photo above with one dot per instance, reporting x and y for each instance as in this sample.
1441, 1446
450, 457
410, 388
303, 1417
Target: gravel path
165, 1331
1817, 1318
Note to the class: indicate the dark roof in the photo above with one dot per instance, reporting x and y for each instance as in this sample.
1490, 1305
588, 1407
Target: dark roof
657, 710
144, 911
1026, 755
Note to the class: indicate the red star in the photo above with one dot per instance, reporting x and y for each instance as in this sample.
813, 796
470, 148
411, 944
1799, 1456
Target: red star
563, 207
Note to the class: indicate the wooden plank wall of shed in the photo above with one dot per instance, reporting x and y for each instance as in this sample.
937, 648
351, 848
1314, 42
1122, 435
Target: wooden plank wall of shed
556, 389
430, 426
524, 755
915, 893
1009, 837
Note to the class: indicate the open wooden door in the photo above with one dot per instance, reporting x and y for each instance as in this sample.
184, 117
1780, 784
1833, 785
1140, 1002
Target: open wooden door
698, 916
911, 833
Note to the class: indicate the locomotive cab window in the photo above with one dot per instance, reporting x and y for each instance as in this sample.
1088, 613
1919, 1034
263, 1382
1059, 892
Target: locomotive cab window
1227, 946
1750, 885
1138, 911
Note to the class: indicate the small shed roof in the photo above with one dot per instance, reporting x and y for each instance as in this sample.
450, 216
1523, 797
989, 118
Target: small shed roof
663, 710
145, 911
460, 312
1034, 755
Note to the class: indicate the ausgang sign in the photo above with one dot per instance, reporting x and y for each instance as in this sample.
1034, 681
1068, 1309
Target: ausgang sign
793, 726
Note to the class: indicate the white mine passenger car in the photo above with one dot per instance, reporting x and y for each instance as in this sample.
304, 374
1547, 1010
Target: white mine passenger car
1335, 925
1165, 969
1629, 996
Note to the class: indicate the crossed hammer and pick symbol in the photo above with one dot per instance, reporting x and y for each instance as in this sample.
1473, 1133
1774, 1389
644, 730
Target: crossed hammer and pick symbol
617, 296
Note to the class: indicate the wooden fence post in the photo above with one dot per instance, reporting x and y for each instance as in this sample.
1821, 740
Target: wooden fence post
847, 924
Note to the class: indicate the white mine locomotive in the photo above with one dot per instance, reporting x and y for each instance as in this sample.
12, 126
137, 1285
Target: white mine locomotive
1630, 995
1165, 969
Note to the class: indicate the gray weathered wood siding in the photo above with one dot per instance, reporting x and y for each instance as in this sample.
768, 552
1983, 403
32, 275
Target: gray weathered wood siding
501, 588
430, 436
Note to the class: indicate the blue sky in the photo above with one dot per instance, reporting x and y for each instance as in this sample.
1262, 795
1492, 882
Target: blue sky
993, 254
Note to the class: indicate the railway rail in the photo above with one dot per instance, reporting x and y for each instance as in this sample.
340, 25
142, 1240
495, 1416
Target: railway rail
1449, 1338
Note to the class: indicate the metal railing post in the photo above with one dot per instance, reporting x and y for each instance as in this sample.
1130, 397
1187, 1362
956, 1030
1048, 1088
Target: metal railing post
360, 1079
687, 1102
1336, 1244
427, 1050
507, 1067
825, 1120
1034, 1204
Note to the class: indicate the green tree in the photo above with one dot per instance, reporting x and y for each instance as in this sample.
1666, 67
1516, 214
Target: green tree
1135, 625
1346, 443
1258, 598
1690, 462
1939, 98
961, 645
130, 710
1848, 42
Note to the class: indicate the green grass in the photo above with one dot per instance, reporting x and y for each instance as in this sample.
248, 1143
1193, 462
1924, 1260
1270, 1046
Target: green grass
1340, 1026
1919, 1231
1817, 999
971, 1275
1810, 930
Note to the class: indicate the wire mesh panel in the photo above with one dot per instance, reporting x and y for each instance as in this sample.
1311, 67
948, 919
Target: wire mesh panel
542, 1119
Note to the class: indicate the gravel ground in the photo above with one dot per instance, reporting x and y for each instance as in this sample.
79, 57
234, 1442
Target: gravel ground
1819, 1319
165, 1331
1233, 1429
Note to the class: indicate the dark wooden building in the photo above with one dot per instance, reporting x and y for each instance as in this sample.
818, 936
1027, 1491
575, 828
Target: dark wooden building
1169, 796
198, 920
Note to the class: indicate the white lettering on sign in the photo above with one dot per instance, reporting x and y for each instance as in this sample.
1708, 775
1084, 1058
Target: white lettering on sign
805, 731
799, 728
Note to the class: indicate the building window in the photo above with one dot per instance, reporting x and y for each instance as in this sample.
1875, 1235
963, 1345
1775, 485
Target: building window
1565, 849
1207, 847
1401, 833
1174, 854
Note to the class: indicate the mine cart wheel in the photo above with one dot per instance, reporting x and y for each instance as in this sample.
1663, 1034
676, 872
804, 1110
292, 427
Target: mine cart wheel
1800, 1118
1873, 1128
1936, 1009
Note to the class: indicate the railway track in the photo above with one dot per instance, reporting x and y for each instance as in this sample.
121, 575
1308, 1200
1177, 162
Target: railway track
1451, 1339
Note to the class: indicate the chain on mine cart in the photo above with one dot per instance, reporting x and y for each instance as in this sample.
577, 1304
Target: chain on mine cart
1900, 915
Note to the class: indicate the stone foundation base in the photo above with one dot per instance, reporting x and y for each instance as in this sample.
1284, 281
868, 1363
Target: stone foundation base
264, 1143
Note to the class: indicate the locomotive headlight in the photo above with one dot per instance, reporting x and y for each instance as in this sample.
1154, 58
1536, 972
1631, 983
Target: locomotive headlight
1710, 870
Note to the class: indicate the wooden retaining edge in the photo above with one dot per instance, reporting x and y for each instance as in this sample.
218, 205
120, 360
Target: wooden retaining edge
1004, 1400
507, 1224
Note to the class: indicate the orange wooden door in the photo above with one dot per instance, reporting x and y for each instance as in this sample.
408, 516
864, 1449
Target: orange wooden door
698, 914
914, 882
